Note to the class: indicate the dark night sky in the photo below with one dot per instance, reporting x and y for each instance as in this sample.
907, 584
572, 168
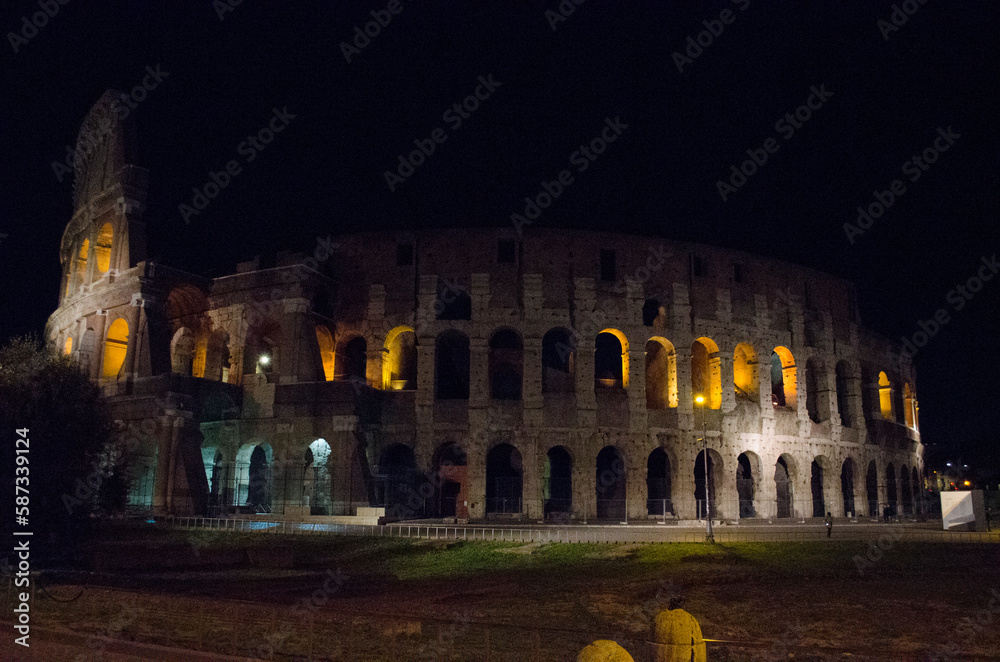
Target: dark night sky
324, 173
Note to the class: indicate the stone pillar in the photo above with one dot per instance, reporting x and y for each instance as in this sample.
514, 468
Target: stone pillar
681, 315
635, 482
726, 380
682, 480
531, 478
298, 356
479, 386
766, 497
100, 343
480, 294
637, 388
723, 305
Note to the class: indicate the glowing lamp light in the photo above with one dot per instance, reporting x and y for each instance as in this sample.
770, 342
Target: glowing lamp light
967, 483
948, 464
700, 399
264, 359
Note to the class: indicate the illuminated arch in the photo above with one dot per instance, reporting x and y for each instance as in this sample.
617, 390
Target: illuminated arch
885, 396
661, 373
609, 370
68, 347
399, 359
909, 406
102, 248
326, 351
706, 371
746, 381
81, 262
784, 378
115, 347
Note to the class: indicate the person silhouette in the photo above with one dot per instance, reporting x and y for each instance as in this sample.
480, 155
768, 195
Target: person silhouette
829, 524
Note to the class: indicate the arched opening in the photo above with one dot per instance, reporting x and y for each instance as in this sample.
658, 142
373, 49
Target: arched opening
661, 374
68, 346
558, 361
327, 351
182, 352
847, 487
817, 402
706, 371
784, 382
253, 478
557, 483
843, 393
611, 485
816, 484
317, 483
699, 486
658, 494
451, 366
610, 359
115, 348
885, 396
505, 365
745, 487
398, 469
890, 489
217, 363
783, 487
909, 407
450, 469
871, 489
905, 489
81, 263
351, 363
746, 381
399, 367
503, 480
102, 248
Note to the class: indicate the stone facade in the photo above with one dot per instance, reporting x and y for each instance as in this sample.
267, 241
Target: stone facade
483, 374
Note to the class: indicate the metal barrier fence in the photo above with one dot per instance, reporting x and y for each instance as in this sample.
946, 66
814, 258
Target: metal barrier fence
584, 534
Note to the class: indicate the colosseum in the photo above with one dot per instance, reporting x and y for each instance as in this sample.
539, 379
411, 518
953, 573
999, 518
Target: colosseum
480, 374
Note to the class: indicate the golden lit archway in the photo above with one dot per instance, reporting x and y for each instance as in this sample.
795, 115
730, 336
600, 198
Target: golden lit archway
784, 378
885, 396
115, 348
102, 248
399, 359
326, 350
661, 373
706, 371
68, 347
609, 374
909, 406
746, 381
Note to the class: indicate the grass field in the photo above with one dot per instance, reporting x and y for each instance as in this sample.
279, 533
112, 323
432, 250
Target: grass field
809, 598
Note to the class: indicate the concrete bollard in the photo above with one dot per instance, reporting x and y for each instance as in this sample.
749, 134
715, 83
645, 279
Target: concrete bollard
676, 638
603, 650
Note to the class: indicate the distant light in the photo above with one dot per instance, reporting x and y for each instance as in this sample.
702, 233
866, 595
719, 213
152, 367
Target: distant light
948, 463
967, 483
265, 359
966, 466
699, 399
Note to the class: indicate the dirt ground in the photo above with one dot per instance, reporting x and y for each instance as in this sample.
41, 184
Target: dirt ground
372, 598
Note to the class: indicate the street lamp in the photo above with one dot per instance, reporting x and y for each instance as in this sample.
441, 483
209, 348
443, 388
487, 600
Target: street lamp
709, 536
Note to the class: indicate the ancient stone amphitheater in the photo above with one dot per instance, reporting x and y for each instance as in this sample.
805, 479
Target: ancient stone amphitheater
481, 374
